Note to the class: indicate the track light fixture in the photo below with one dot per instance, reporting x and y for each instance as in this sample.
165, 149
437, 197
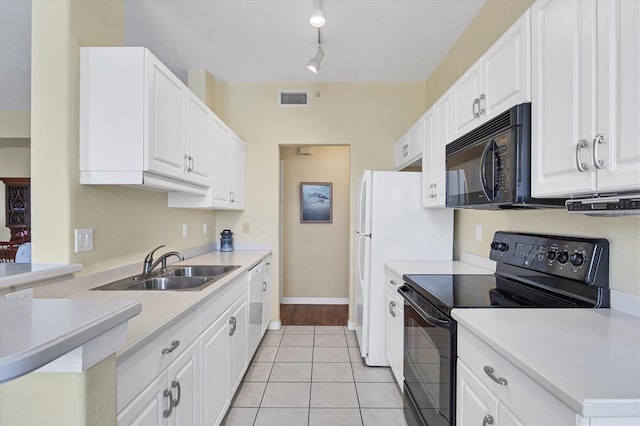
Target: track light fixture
317, 18
314, 64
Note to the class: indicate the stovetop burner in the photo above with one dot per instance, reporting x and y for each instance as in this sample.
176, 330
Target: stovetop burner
532, 271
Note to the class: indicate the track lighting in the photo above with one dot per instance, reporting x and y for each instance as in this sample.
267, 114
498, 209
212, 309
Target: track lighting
317, 18
314, 64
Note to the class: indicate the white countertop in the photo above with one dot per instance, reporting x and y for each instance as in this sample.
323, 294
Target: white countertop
160, 309
589, 359
401, 267
17, 274
34, 332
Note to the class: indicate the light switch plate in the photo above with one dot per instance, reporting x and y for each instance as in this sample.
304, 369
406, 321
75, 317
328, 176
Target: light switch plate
83, 240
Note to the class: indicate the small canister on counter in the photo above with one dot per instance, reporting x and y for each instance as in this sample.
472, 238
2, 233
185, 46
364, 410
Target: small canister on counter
226, 240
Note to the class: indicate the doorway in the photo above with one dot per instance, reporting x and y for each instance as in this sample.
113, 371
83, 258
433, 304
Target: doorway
315, 254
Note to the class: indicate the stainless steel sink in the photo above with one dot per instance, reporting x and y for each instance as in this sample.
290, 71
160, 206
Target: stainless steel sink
176, 278
200, 270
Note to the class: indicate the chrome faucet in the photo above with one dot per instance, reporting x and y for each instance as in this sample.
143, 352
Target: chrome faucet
150, 264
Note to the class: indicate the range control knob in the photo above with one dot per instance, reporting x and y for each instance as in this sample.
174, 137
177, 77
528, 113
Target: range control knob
563, 256
576, 259
495, 245
551, 255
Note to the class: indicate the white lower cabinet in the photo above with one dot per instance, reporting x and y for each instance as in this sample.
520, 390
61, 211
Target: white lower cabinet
490, 390
394, 324
188, 374
171, 398
224, 361
266, 295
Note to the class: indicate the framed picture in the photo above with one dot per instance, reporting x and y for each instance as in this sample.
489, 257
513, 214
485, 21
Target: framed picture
316, 202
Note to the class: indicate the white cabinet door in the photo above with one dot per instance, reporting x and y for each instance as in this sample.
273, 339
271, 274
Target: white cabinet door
618, 96
184, 374
401, 151
266, 293
585, 100
198, 151
465, 101
221, 155
500, 79
149, 406
506, 71
562, 98
216, 384
166, 120
237, 172
394, 327
437, 126
408, 148
239, 350
475, 404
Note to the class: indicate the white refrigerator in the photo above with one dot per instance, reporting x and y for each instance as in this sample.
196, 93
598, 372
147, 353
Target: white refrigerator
391, 225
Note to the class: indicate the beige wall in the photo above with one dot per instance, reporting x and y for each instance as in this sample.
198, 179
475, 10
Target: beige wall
368, 117
15, 124
315, 255
624, 233
127, 222
85, 398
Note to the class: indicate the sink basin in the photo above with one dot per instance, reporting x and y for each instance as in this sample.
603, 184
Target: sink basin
200, 270
176, 278
170, 283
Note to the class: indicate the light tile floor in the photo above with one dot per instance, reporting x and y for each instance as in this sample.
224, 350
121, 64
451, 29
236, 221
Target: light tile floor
314, 376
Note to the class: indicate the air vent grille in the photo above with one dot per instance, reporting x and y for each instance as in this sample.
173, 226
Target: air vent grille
294, 98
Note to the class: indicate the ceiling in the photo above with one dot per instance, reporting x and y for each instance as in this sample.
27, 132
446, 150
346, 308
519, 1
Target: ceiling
267, 40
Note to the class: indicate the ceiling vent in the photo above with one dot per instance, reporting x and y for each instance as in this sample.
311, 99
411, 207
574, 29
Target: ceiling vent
294, 98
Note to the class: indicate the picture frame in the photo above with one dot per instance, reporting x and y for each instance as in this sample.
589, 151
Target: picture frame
316, 202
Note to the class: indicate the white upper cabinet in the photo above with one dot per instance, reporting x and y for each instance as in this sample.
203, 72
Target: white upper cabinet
226, 191
437, 131
496, 82
139, 124
586, 97
408, 148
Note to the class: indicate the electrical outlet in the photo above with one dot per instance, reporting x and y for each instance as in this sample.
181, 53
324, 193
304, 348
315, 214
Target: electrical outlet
245, 228
478, 232
185, 230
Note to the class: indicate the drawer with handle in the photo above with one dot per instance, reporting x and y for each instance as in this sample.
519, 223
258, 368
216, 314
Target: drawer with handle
134, 373
529, 401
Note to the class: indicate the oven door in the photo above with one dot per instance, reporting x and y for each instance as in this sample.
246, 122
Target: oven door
429, 362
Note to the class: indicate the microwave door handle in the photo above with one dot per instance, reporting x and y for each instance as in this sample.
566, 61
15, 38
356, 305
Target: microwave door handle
483, 170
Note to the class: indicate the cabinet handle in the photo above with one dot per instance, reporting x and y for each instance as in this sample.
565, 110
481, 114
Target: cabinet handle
173, 347
232, 197
405, 150
264, 286
176, 402
167, 393
232, 323
185, 161
499, 380
482, 103
476, 102
487, 420
582, 167
191, 163
392, 305
600, 138
392, 282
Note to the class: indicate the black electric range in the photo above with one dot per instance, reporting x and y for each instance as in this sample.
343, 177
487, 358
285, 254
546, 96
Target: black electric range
532, 271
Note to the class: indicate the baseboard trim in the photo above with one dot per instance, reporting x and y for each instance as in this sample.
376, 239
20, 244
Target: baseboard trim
274, 325
314, 300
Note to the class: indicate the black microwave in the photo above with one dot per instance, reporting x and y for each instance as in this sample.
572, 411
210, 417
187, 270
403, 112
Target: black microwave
490, 166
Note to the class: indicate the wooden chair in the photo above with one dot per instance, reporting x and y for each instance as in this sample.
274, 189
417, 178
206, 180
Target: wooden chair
8, 249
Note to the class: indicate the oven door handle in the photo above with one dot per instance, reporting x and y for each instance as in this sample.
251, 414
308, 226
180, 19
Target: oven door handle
429, 318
